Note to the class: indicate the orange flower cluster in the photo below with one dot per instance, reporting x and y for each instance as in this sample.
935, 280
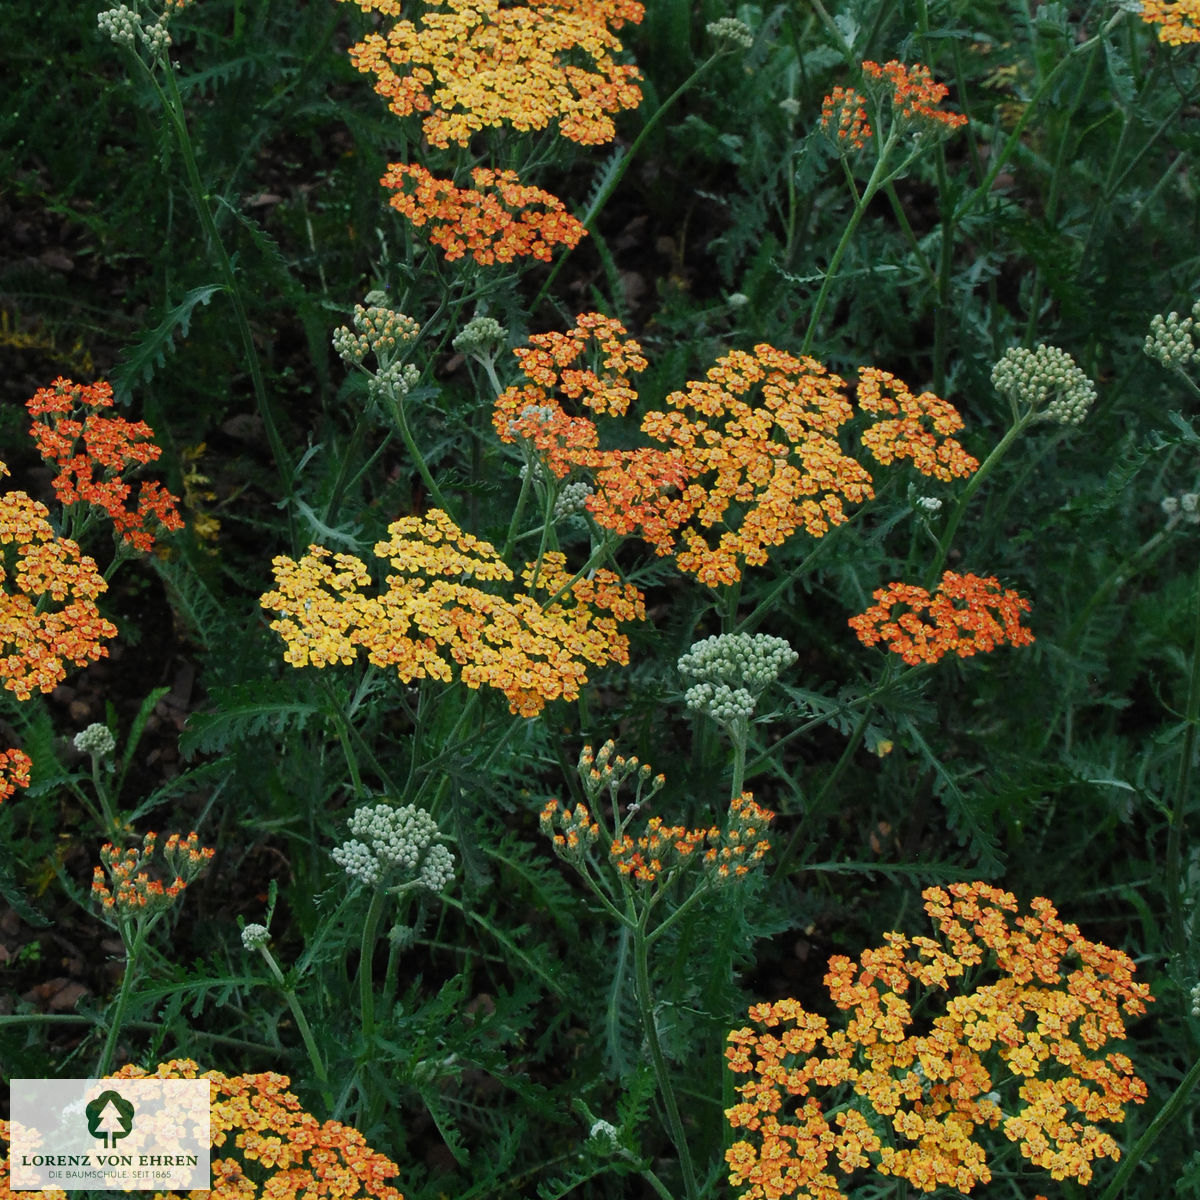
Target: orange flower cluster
917, 428
50, 616
1039, 1030
844, 118
533, 648
478, 64
135, 891
915, 96
497, 220
664, 849
756, 468
14, 772
1178, 20
967, 614
272, 1147
91, 453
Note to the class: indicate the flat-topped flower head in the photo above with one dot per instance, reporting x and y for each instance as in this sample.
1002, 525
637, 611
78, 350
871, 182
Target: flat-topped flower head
965, 615
477, 64
915, 96
731, 670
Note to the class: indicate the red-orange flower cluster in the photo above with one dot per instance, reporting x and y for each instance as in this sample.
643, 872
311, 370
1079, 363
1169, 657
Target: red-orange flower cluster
48, 591
966, 615
1025, 1052
92, 452
14, 772
497, 220
478, 64
915, 95
132, 888
751, 450
844, 118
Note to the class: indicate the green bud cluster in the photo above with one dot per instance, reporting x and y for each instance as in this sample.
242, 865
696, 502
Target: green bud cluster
732, 670
255, 937
379, 330
481, 337
731, 34
394, 379
1184, 508
572, 499
1045, 382
388, 839
96, 740
1195, 998
120, 24
1173, 339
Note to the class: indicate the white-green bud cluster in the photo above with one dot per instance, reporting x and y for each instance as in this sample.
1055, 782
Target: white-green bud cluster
379, 329
1195, 997
572, 499
255, 937
481, 337
395, 379
1184, 508
791, 106
1173, 339
120, 24
157, 39
928, 505
604, 1136
731, 34
96, 740
400, 839
732, 670
1045, 381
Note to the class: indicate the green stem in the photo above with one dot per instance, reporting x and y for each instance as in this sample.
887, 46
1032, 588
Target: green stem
132, 965
366, 982
645, 1003
417, 457
306, 1033
1154, 1131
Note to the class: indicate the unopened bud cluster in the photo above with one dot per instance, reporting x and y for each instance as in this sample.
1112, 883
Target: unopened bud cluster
96, 740
1195, 997
572, 499
1173, 339
122, 25
133, 892
380, 331
255, 937
1182, 509
732, 670
387, 840
1045, 382
482, 337
607, 771
730, 34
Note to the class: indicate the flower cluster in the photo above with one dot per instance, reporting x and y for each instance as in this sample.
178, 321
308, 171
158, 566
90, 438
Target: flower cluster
967, 614
377, 330
1178, 21
388, 840
48, 613
92, 452
478, 64
751, 450
14, 772
96, 740
915, 427
1044, 383
498, 219
1025, 1053
915, 96
133, 892
844, 119
532, 647
732, 670
272, 1147
1173, 339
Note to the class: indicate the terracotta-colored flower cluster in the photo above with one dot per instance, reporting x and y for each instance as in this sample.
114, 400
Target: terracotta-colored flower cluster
750, 451
14, 772
1026, 1052
497, 220
915, 95
844, 118
273, 1148
48, 613
534, 646
133, 891
478, 64
966, 615
664, 849
1178, 21
93, 452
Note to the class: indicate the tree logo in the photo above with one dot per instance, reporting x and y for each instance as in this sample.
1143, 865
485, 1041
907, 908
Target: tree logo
109, 1117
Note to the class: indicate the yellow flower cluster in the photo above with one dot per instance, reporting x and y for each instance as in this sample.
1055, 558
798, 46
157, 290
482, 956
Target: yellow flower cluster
273, 1148
478, 64
1025, 1053
533, 646
750, 451
48, 613
1178, 20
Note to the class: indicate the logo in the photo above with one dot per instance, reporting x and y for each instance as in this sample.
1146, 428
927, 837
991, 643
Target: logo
109, 1117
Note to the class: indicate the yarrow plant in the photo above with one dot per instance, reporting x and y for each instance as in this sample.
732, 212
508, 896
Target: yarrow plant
1024, 1051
